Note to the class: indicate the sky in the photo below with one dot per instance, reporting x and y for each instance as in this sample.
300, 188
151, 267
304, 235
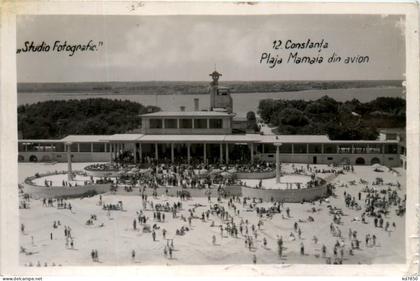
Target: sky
188, 48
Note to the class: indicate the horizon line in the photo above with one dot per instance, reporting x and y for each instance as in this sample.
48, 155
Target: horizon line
208, 81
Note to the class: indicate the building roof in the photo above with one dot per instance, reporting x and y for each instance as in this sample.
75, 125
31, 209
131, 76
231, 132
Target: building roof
187, 114
39, 141
362, 141
85, 138
295, 138
392, 131
182, 138
123, 137
245, 138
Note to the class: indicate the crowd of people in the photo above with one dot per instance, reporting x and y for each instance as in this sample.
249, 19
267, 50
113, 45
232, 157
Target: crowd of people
244, 218
103, 167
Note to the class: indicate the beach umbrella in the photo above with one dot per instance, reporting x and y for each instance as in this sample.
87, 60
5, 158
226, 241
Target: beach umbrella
232, 171
203, 171
225, 174
143, 171
215, 171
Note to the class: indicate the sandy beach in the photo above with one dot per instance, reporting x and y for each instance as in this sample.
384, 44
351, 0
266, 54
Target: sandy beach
116, 239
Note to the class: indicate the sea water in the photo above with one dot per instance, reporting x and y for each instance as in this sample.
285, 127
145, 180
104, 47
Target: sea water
242, 102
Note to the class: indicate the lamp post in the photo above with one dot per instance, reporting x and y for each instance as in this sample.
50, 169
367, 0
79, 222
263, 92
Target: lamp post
277, 144
69, 169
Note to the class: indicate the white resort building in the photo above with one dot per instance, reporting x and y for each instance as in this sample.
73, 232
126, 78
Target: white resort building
209, 135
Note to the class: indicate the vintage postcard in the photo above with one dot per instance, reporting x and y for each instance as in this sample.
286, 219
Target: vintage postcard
239, 138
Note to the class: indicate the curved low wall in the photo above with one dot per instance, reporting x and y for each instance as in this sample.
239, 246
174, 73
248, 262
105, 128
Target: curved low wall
256, 175
286, 195
101, 174
233, 190
38, 192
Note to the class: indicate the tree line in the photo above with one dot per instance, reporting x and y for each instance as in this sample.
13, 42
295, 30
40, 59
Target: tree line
350, 120
99, 116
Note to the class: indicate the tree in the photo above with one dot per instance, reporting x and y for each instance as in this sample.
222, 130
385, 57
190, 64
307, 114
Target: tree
252, 121
350, 120
292, 117
55, 119
250, 116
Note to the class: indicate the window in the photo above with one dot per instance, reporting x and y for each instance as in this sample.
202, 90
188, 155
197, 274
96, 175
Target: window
155, 123
171, 123
391, 149
98, 147
185, 123
21, 147
375, 148
59, 147
48, 147
402, 150
216, 123
74, 147
345, 148
200, 123
330, 158
330, 148
299, 148
315, 148
38, 147
359, 148
269, 148
286, 148
84, 147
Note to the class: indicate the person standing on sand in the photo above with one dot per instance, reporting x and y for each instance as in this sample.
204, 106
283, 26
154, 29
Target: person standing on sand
133, 254
254, 259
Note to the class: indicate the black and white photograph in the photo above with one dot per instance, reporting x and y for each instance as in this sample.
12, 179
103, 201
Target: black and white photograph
171, 140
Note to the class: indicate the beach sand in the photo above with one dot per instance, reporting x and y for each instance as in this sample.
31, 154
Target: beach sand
117, 238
